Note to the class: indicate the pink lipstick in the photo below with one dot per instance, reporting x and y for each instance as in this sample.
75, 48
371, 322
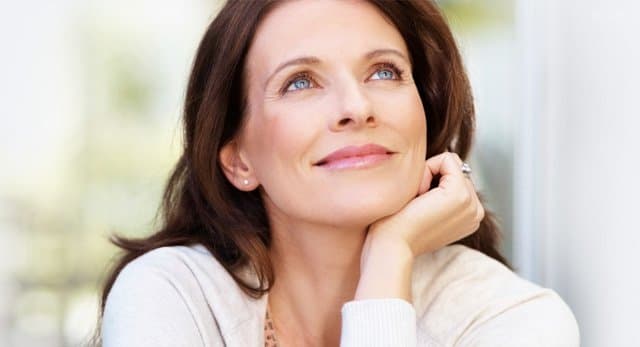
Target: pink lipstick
355, 157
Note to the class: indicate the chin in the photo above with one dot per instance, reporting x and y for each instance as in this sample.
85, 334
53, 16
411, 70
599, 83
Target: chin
360, 200
364, 209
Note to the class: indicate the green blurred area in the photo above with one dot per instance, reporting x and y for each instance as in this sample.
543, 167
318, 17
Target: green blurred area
465, 16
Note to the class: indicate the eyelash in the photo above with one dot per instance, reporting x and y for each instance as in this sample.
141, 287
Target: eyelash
383, 65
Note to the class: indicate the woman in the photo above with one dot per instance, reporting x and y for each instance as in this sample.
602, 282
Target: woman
320, 186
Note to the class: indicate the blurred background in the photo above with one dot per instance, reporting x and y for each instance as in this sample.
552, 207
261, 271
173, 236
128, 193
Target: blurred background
91, 95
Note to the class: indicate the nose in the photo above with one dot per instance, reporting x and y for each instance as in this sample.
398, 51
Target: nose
355, 109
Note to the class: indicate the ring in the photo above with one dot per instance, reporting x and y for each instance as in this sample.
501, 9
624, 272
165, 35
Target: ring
466, 170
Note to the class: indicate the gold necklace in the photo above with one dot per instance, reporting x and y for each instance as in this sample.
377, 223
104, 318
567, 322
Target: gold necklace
270, 339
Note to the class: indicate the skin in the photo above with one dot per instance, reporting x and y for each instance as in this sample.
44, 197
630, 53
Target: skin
349, 234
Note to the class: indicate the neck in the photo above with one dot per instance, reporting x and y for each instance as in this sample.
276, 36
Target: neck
317, 270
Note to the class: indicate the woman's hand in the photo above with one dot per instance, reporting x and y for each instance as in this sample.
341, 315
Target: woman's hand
437, 217
434, 219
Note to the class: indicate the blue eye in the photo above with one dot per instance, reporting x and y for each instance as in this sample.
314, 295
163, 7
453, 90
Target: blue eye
387, 71
299, 82
303, 80
384, 74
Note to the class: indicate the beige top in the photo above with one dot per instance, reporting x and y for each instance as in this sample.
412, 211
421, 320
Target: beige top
182, 296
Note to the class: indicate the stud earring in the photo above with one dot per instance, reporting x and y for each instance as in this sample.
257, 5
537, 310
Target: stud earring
246, 182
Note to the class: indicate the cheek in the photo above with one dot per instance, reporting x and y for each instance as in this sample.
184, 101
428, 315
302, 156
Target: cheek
290, 132
414, 129
417, 122
282, 156
403, 111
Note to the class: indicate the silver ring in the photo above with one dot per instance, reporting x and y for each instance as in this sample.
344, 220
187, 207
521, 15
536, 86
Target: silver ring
466, 170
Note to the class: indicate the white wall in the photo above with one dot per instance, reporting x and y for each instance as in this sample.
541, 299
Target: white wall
577, 173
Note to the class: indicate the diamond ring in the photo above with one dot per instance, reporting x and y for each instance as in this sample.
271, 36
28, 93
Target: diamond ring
466, 170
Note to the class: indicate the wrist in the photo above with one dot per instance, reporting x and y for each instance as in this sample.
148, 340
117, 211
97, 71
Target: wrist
385, 269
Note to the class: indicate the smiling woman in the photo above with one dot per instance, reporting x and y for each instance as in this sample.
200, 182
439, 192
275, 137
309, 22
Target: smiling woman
322, 199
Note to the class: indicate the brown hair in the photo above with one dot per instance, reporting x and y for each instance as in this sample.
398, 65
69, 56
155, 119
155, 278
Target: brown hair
201, 206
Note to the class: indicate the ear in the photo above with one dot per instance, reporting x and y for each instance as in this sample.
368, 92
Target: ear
236, 167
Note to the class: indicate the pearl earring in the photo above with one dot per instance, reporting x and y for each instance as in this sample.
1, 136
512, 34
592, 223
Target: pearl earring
246, 182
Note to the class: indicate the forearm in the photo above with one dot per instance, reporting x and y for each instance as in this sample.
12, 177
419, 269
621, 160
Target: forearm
385, 270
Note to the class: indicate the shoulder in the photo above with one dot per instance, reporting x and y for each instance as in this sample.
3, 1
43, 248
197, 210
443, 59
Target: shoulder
181, 272
176, 264
463, 296
170, 296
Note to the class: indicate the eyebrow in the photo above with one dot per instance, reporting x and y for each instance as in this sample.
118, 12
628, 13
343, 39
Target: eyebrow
311, 60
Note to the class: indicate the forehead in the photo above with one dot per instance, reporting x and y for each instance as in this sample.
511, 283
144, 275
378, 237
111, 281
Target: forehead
327, 29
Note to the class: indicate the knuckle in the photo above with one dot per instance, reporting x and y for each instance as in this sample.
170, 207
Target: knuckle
462, 198
472, 229
467, 198
481, 212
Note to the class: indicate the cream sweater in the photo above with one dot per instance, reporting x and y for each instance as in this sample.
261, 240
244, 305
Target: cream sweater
182, 296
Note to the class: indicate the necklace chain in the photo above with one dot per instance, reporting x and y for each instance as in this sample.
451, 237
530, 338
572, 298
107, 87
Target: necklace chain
270, 339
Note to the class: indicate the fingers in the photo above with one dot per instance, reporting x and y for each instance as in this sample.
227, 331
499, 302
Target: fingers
449, 166
480, 213
442, 164
479, 209
446, 165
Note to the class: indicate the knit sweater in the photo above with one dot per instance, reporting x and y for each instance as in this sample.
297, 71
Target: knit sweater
182, 296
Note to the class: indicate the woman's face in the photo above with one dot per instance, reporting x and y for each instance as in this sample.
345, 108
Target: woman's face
320, 76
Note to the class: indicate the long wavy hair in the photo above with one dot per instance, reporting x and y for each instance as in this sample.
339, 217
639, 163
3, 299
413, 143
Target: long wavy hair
200, 205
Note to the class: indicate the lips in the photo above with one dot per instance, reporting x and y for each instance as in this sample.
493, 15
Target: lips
370, 149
